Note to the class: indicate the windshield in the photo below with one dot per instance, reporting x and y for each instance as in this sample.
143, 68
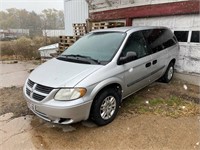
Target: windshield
97, 46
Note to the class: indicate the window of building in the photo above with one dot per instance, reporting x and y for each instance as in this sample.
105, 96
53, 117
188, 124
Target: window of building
195, 37
181, 36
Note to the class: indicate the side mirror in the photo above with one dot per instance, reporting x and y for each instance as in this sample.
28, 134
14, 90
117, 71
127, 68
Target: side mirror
130, 56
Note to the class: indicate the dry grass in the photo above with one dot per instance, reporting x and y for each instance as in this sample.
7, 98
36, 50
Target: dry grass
24, 48
173, 107
160, 99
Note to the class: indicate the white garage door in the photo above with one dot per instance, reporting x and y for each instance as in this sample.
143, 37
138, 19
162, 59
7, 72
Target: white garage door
186, 28
173, 22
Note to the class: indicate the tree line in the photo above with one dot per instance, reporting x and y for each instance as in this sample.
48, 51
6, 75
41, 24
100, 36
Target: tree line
22, 19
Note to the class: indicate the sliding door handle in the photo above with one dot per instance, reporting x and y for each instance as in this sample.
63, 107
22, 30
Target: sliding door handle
148, 65
154, 62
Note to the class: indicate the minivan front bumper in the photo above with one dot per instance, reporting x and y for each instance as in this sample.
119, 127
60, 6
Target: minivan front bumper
61, 113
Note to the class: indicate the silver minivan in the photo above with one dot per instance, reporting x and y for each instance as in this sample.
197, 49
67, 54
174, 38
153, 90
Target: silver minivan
92, 77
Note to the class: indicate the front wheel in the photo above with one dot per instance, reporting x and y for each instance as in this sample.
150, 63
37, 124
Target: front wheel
105, 107
167, 77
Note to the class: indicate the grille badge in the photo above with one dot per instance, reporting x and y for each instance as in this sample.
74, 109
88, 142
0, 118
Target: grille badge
32, 90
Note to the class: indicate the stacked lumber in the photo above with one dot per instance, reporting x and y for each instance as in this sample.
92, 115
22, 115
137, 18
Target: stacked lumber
79, 29
106, 25
66, 41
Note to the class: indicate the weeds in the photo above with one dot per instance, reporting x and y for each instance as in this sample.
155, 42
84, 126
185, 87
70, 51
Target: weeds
24, 48
173, 106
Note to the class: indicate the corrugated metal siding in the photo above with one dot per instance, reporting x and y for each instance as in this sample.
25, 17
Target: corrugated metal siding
53, 33
76, 11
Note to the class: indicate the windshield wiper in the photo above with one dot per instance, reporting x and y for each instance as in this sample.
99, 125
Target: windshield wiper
84, 57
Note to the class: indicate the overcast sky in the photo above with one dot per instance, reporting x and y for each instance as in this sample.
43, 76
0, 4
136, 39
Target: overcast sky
35, 5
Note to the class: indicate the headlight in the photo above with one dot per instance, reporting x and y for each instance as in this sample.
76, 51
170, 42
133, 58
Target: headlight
70, 94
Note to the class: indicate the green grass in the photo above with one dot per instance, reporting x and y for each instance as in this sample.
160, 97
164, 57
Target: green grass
172, 106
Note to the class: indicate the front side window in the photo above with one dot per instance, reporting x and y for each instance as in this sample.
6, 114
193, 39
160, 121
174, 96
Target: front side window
136, 43
100, 46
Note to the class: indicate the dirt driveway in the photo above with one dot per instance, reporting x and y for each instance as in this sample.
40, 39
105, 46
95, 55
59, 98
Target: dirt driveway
161, 116
14, 74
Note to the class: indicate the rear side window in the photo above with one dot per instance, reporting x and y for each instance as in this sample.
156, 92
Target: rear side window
170, 42
159, 39
195, 37
181, 36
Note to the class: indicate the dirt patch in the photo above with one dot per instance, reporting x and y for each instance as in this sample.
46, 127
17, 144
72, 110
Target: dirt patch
131, 132
176, 88
174, 99
12, 100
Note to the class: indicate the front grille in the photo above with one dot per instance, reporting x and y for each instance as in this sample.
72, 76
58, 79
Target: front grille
30, 83
36, 91
38, 97
28, 92
43, 89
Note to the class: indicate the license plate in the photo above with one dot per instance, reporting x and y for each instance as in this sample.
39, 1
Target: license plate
31, 106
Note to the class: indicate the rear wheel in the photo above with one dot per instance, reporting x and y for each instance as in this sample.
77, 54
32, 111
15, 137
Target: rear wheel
105, 107
167, 77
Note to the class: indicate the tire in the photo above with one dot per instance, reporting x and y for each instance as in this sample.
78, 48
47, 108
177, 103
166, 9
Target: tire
167, 77
105, 107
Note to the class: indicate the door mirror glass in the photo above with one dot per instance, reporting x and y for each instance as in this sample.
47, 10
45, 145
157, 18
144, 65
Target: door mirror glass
130, 56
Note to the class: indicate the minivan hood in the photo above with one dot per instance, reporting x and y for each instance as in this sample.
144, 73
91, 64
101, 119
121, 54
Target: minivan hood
57, 73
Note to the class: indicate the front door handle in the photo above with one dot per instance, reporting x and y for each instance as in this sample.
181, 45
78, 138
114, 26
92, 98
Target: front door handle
154, 62
148, 65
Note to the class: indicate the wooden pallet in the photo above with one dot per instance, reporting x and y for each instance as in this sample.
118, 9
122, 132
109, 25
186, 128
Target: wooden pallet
79, 29
65, 44
80, 34
79, 25
66, 41
116, 24
69, 37
106, 25
62, 49
100, 24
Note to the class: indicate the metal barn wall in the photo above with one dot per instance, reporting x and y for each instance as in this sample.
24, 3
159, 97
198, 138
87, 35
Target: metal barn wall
53, 33
76, 11
173, 22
